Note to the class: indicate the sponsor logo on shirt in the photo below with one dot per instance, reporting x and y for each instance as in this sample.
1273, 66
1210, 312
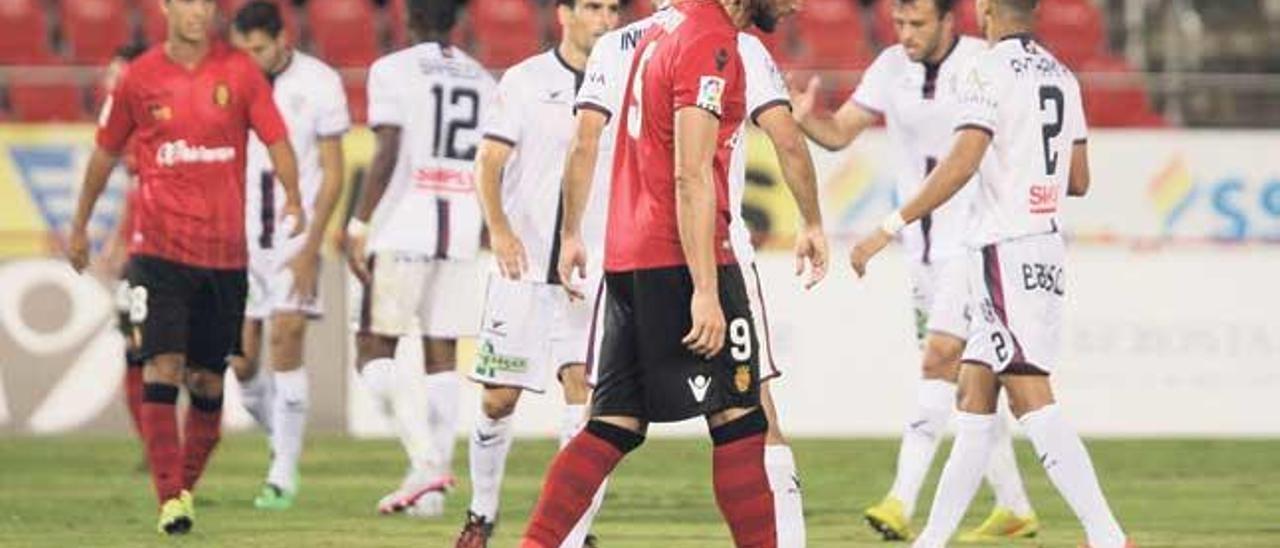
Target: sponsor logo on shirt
711, 94
489, 363
443, 179
1044, 198
699, 384
177, 152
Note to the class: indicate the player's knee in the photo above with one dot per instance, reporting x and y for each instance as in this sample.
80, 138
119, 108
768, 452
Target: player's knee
165, 369
243, 367
942, 358
971, 399
204, 383
372, 347
573, 380
621, 437
497, 403
746, 424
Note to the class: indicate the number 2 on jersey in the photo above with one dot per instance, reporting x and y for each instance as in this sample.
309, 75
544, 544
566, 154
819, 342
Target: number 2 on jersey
1051, 94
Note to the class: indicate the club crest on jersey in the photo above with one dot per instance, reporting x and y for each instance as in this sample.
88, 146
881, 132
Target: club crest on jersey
222, 95
742, 379
722, 59
711, 94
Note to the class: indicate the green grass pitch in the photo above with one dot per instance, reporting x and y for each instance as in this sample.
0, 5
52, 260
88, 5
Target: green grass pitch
85, 491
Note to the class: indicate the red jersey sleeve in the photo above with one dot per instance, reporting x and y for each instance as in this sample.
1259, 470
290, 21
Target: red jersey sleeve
264, 117
115, 121
707, 65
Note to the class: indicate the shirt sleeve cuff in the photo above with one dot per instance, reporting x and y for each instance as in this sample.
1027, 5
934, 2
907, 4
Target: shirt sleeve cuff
980, 127
500, 139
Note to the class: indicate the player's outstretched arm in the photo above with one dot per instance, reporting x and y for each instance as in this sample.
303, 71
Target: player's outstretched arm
579, 169
101, 162
830, 131
943, 183
507, 247
1078, 178
386, 152
799, 174
695, 145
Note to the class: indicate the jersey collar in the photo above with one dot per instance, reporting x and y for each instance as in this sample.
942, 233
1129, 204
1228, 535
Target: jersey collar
577, 74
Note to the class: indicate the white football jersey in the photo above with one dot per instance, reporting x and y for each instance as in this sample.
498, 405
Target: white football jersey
1030, 103
919, 105
533, 113
603, 91
437, 95
310, 98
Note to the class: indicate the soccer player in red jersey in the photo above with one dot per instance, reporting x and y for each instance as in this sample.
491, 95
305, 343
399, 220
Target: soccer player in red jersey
667, 252
188, 105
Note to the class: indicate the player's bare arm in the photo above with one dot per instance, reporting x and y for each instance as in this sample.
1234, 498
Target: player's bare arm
695, 146
306, 264
947, 179
578, 170
507, 247
1078, 179
385, 154
799, 174
831, 131
101, 162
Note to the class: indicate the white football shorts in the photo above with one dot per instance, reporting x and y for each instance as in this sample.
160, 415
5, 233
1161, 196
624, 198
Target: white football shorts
1018, 289
414, 293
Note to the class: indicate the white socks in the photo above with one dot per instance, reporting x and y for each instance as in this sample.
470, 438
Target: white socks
376, 379
289, 420
442, 416
1067, 463
409, 416
490, 444
788, 506
573, 419
256, 394
937, 401
975, 436
1002, 472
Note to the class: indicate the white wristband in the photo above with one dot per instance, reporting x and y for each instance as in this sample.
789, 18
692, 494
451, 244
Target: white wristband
357, 228
893, 223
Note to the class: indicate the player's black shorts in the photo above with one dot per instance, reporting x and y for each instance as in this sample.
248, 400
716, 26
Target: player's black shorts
647, 372
186, 310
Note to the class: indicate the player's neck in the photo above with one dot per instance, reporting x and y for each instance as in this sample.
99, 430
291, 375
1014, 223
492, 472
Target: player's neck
941, 53
283, 64
571, 56
1001, 29
186, 53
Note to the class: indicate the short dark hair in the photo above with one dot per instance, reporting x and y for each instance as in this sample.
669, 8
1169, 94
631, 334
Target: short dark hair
259, 15
434, 16
1024, 8
130, 51
574, 3
944, 6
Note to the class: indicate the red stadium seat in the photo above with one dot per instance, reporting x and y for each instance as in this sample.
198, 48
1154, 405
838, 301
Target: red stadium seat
155, 26
832, 37
40, 101
357, 101
1072, 29
228, 8
1115, 95
779, 42
93, 29
506, 31
24, 39
637, 10
344, 32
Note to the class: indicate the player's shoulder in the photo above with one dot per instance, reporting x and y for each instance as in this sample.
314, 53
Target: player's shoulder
312, 65
750, 44
968, 47
533, 69
891, 58
233, 58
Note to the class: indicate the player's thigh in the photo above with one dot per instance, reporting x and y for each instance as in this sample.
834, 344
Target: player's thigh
679, 384
217, 317
160, 298
571, 341
1027, 392
514, 347
282, 294
288, 334
977, 389
619, 383
439, 354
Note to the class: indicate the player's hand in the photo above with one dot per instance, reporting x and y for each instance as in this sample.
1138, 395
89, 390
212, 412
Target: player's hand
305, 267
706, 336
78, 249
811, 247
509, 251
573, 256
293, 210
867, 248
356, 240
803, 98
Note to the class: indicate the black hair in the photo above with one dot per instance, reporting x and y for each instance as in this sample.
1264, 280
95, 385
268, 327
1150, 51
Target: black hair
622, 4
130, 51
434, 16
944, 6
259, 15
1023, 8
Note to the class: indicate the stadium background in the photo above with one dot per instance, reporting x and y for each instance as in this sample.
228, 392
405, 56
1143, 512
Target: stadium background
1174, 262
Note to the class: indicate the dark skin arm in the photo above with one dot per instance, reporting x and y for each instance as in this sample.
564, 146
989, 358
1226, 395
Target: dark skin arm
382, 166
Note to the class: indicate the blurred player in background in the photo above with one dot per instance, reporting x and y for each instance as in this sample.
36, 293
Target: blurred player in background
530, 329
910, 85
1021, 126
425, 105
190, 103
115, 253
284, 270
588, 174
668, 251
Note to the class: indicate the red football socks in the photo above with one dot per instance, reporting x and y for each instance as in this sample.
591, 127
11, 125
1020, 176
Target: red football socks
133, 395
741, 482
158, 413
572, 481
203, 430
